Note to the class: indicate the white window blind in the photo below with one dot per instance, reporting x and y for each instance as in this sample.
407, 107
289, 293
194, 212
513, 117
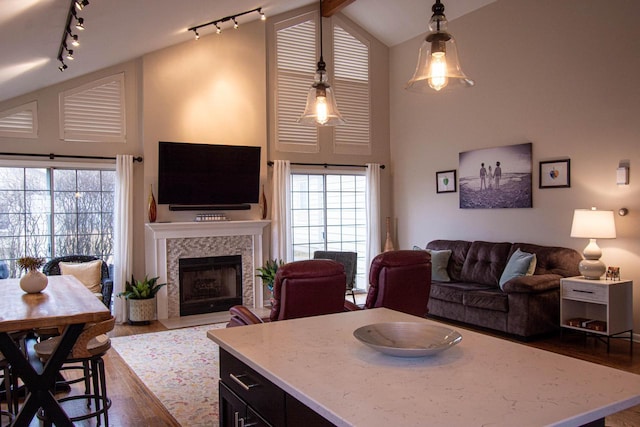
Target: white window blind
21, 122
94, 112
351, 83
295, 65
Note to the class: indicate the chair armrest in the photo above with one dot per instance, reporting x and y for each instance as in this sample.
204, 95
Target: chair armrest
532, 284
242, 316
349, 306
107, 292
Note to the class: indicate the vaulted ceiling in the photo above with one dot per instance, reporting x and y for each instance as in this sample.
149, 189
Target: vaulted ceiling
120, 30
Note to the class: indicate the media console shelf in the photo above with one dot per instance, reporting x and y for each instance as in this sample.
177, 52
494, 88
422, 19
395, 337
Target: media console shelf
602, 308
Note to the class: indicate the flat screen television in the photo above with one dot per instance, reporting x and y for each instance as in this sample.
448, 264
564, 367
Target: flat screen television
207, 175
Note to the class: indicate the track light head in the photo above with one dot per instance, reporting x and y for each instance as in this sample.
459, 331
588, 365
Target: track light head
262, 17
80, 24
235, 23
70, 54
62, 67
74, 40
197, 36
218, 30
80, 4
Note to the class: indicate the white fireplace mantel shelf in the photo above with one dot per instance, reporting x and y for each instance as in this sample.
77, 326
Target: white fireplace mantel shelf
157, 234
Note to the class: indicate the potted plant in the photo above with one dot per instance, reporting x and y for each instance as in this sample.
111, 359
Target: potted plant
141, 297
268, 272
33, 281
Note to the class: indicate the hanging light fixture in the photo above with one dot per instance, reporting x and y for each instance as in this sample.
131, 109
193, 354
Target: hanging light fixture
321, 108
438, 63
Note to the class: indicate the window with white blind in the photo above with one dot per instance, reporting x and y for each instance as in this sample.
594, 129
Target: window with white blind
295, 56
20, 122
296, 53
94, 112
351, 84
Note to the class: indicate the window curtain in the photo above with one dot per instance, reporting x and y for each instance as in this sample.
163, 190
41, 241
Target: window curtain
280, 213
123, 230
373, 212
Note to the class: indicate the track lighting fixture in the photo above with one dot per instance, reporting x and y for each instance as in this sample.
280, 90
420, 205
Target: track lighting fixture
68, 36
80, 4
232, 18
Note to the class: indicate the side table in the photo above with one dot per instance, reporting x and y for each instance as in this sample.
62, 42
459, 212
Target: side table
601, 308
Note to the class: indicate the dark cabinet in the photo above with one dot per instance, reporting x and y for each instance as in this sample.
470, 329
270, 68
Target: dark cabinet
249, 399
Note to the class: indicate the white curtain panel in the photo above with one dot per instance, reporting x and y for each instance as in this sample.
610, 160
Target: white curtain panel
373, 212
123, 231
280, 211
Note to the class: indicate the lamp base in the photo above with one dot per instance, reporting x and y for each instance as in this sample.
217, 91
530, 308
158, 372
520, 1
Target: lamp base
592, 269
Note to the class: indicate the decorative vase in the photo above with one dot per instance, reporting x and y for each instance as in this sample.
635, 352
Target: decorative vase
388, 244
263, 204
153, 211
33, 282
142, 310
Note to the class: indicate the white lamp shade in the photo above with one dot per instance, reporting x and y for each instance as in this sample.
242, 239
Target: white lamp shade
593, 224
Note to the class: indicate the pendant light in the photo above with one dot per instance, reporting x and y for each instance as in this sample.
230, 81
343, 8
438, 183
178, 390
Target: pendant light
321, 108
438, 64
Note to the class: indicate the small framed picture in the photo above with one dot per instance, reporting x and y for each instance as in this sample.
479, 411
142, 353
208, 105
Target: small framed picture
446, 181
555, 174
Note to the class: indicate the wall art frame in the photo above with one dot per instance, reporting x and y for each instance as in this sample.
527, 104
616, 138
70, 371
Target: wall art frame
555, 174
446, 181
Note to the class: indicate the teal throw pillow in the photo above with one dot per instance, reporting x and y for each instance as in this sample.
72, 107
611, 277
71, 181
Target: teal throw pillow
439, 262
520, 264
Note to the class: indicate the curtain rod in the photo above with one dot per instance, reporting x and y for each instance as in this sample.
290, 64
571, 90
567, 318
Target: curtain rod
325, 165
52, 156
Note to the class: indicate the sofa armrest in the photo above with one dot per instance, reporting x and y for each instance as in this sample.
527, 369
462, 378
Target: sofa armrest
532, 284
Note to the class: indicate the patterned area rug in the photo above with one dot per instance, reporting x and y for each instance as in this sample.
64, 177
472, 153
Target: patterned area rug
181, 367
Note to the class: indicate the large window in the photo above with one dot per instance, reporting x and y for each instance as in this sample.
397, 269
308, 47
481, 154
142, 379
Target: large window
48, 212
328, 213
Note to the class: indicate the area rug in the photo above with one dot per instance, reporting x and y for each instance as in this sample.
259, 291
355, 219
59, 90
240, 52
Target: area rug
180, 367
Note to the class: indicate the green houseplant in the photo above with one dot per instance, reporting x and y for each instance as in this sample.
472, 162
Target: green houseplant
268, 272
141, 298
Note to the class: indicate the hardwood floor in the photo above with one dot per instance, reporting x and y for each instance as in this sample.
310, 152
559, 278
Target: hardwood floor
133, 405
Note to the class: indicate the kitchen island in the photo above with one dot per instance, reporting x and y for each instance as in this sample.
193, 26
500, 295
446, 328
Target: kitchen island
318, 364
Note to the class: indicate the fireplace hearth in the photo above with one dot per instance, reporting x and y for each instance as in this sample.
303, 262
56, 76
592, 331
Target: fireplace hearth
209, 284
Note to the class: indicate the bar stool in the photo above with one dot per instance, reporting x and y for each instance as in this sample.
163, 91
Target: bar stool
89, 349
10, 386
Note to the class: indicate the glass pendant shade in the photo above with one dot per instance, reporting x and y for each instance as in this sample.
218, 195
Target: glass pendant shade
321, 108
438, 64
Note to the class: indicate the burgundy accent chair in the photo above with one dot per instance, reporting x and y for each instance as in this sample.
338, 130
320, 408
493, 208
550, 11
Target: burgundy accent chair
399, 280
301, 289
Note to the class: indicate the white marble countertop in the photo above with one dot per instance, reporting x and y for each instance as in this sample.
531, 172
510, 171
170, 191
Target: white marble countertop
481, 381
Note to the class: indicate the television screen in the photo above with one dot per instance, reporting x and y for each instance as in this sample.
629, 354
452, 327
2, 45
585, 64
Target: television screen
203, 174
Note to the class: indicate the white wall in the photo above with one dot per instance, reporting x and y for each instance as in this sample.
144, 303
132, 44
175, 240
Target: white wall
562, 75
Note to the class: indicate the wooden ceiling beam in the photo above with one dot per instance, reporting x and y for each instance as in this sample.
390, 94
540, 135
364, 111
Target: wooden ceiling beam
331, 7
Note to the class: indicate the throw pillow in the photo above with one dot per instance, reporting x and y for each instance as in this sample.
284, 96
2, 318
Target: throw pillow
518, 265
89, 273
439, 262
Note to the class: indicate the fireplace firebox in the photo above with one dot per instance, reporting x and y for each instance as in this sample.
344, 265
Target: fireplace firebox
209, 284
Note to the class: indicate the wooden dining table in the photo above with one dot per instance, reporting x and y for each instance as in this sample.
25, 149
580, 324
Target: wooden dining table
66, 303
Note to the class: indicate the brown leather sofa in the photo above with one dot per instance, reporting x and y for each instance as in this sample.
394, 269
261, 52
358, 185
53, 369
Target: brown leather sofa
524, 306
301, 289
399, 280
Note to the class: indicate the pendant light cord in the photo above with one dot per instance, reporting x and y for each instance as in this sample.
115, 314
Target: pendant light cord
321, 59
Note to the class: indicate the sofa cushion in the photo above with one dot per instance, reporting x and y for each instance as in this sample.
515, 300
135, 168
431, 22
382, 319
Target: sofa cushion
485, 262
454, 291
459, 249
552, 259
491, 299
519, 264
439, 263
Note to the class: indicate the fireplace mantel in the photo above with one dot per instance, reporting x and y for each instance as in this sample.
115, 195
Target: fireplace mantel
157, 235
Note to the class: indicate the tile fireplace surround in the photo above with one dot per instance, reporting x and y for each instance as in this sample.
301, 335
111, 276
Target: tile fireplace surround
166, 243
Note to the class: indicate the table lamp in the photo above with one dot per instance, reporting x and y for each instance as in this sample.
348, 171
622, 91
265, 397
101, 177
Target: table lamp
593, 224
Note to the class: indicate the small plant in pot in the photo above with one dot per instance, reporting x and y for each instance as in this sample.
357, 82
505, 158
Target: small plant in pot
33, 281
141, 295
268, 272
